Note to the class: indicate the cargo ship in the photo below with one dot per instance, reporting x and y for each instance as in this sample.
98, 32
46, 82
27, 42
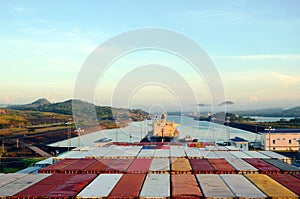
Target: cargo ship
162, 131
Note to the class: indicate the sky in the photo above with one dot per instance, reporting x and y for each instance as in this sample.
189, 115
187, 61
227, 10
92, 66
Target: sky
253, 45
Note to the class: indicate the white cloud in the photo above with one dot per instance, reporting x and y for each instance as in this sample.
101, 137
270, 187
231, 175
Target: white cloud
253, 99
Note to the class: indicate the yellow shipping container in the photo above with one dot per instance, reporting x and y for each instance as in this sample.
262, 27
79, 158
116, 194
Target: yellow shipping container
180, 165
270, 187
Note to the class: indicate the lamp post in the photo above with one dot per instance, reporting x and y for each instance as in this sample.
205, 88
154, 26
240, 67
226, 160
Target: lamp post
79, 131
69, 123
269, 129
228, 132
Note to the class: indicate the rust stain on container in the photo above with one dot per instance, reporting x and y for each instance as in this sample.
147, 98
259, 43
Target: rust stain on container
58, 166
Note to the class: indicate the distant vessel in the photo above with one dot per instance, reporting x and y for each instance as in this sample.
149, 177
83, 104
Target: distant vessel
163, 131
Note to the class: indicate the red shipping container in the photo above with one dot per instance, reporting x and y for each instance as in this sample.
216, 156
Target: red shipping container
201, 166
289, 181
119, 166
185, 186
262, 166
129, 186
58, 166
221, 166
72, 187
78, 166
99, 166
41, 188
139, 166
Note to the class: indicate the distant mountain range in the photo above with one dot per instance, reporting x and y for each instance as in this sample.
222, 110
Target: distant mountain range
273, 112
84, 110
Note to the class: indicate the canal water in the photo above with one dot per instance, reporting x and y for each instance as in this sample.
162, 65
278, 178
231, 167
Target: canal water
201, 130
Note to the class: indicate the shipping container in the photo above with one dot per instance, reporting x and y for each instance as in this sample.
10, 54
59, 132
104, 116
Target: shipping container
208, 154
41, 188
99, 166
213, 186
221, 166
115, 153
241, 187
288, 181
275, 155
241, 166
118, 166
159, 165
7, 178
162, 153
101, 186
132, 151
78, 166
139, 166
255, 154
180, 165
297, 175
201, 166
193, 153
240, 154
262, 166
58, 166
146, 153
185, 186
270, 187
177, 152
20, 184
224, 154
156, 186
283, 166
129, 186
72, 186
100, 152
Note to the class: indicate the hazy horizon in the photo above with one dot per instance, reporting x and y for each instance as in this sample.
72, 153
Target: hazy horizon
254, 47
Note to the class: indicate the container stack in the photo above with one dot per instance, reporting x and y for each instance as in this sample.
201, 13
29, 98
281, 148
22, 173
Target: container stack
162, 171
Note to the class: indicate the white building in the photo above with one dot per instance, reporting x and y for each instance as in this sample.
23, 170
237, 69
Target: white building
240, 143
280, 139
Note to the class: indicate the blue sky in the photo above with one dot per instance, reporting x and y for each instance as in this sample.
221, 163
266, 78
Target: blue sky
255, 45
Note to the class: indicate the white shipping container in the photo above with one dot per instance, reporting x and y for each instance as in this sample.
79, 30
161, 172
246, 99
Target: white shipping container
100, 151
208, 154
241, 165
162, 153
213, 186
255, 154
21, 184
156, 186
101, 186
117, 152
10, 177
240, 154
224, 154
241, 187
159, 164
146, 153
274, 155
177, 152
193, 152
222, 148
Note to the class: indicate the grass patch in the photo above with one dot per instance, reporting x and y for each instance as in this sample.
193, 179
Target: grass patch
12, 165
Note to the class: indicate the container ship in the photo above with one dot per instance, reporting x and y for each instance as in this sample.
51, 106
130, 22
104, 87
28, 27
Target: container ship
162, 131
